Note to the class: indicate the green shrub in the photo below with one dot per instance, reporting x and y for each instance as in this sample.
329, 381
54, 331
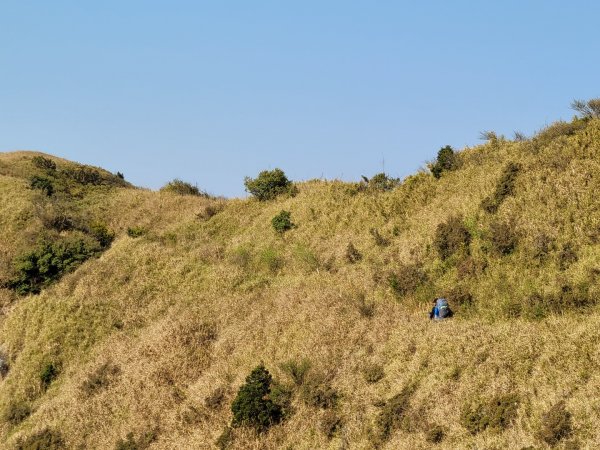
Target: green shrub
45, 439
446, 161
48, 261
331, 423
100, 378
381, 182
253, 406
84, 175
16, 412
282, 222
141, 443
102, 234
556, 424
48, 374
269, 184
504, 237
406, 279
373, 373
451, 236
496, 414
136, 232
180, 187
43, 184
352, 254
504, 188
393, 413
297, 371
44, 163
435, 434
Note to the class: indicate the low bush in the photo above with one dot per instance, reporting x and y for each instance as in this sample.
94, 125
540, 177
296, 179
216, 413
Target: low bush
378, 238
4, 365
210, 210
100, 378
102, 234
282, 222
49, 373
381, 182
352, 254
496, 414
331, 423
588, 109
318, 392
406, 279
269, 184
216, 398
43, 184
271, 259
451, 236
556, 130
435, 434
567, 256
296, 370
48, 261
556, 424
365, 308
84, 175
253, 406
44, 163
141, 443
45, 439
470, 267
136, 232
391, 416
504, 237
446, 161
504, 188
373, 373
180, 187
16, 412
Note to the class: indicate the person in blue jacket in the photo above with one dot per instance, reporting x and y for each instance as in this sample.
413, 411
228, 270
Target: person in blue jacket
441, 310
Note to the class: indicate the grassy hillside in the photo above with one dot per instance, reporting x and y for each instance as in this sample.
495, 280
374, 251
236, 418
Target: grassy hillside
154, 333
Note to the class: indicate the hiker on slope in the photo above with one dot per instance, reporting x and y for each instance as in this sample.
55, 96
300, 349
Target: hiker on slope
441, 310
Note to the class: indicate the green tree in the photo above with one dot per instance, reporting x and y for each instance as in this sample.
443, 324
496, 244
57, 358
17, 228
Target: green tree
269, 184
253, 406
446, 161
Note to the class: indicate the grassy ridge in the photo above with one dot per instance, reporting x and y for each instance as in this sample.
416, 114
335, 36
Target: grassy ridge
165, 326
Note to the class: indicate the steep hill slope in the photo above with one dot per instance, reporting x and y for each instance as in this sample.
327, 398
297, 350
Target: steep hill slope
153, 333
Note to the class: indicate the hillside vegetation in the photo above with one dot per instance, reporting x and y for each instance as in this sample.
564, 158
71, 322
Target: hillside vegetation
132, 318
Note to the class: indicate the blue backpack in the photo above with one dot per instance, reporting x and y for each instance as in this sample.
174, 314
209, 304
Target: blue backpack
443, 308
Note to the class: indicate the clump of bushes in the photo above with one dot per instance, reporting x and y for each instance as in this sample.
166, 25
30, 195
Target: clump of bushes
48, 374
556, 424
45, 439
180, 187
85, 175
446, 161
269, 184
373, 373
100, 378
44, 163
102, 234
331, 423
136, 232
504, 188
282, 222
504, 237
141, 443
16, 412
393, 413
451, 236
297, 371
253, 406
352, 254
496, 414
48, 261
381, 182
43, 184
406, 279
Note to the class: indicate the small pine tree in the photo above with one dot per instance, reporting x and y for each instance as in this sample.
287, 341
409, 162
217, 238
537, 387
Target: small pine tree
446, 161
253, 407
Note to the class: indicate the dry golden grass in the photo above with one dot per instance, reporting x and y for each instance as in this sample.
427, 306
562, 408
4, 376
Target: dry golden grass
192, 306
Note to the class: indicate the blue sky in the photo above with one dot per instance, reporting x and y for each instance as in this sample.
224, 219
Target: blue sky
213, 91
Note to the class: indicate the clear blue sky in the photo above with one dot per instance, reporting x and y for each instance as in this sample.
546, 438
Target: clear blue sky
213, 91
